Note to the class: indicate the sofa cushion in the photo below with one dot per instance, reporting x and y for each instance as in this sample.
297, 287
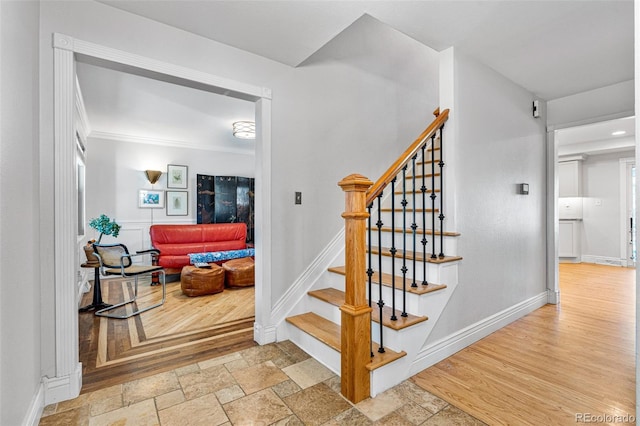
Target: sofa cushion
200, 233
175, 242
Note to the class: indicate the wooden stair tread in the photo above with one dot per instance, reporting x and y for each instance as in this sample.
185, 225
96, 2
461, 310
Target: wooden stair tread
417, 256
419, 231
336, 298
387, 279
328, 333
410, 210
380, 359
329, 295
426, 175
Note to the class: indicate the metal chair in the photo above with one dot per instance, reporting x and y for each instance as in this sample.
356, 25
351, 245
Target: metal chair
115, 260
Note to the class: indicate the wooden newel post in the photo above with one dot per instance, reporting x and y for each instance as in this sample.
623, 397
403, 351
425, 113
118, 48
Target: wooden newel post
356, 313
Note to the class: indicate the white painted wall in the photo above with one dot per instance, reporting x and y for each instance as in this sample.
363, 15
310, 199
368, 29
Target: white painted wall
498, 144
612, 101
115, 173
600, 231
329, 119
19, 271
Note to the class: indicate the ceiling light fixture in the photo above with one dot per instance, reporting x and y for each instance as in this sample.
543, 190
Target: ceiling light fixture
618, 133
244, 129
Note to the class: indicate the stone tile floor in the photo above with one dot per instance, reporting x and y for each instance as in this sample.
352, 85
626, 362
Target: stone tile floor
275, 384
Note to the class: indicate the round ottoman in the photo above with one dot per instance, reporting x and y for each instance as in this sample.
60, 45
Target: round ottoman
239, 272
200, 281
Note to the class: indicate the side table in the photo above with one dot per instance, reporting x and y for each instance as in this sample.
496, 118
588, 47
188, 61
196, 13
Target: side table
97, 302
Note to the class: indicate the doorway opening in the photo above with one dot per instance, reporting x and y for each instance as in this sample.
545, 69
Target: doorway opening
68, 375
137, 123
596, 192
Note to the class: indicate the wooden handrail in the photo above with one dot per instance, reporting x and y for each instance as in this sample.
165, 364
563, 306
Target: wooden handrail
397, 166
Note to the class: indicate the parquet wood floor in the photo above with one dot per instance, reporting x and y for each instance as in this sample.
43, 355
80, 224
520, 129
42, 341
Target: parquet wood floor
182, 331
555, 364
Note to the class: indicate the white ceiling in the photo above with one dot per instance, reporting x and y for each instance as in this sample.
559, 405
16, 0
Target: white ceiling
552, 48
597, 138
127, 107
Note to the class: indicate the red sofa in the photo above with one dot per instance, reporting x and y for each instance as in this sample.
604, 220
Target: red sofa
175, 242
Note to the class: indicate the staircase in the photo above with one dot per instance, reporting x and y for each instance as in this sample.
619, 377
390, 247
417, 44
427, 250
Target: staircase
368, 319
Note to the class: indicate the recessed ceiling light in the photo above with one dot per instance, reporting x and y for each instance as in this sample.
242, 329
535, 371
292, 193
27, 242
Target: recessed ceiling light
618, 133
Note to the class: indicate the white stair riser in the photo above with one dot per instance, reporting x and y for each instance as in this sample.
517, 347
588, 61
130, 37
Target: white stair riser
450, 243
332, 280
325, 309
385, 218
400, 340
390, 375
412, 300
411, 202
314, 347
433, 269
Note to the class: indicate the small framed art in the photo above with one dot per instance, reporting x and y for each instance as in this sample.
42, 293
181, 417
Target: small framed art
177, 176
150, 199
177, 203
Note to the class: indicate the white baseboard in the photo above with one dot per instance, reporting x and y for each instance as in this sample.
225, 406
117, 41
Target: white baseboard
62, 388
307, 279
604, 260
264, 335
553, 297
436, 352
35, 408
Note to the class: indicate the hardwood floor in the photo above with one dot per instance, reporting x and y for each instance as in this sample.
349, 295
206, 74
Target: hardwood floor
557, 363
183, 331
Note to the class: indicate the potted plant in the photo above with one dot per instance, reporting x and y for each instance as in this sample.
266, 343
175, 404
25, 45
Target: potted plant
105, 226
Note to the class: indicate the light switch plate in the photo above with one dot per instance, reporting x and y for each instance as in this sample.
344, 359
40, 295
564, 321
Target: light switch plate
298, 198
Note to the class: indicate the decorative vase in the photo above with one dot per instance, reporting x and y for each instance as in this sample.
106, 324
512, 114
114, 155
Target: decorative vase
90, 254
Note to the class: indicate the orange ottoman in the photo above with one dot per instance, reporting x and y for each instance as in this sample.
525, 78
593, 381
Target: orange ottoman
239, 272
200, 281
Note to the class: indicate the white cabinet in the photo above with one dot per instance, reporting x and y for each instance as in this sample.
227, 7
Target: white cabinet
569, 238
570, 178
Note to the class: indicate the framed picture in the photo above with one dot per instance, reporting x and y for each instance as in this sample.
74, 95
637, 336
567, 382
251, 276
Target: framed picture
177, 203
150, 199
177, 176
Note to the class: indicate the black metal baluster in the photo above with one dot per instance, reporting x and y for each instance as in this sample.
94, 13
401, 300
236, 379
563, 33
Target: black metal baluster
441, 216
433, 194
424, 241
404, 241
414, 225
380, 301
370, 274
392, 250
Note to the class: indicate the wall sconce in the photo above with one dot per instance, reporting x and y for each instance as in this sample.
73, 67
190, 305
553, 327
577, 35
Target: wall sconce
244, 129
153, 175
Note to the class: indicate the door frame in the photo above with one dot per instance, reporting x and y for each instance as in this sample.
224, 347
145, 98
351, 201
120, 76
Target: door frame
68, 371
553, 193
624, 204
